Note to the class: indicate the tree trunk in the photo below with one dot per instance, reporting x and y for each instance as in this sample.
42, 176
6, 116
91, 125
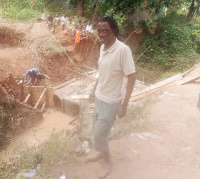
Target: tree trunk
80, 8
95, 11
197, 8
191, 11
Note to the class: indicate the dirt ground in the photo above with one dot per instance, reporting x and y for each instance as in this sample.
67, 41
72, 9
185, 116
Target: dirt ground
20, 47
167, 148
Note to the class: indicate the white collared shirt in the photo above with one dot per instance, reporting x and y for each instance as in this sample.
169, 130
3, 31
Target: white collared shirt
114, 64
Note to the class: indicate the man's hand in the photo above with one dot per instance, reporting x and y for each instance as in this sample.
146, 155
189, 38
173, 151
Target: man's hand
122, 111
129, 89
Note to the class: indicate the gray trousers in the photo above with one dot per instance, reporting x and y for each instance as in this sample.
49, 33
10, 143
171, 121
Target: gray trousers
104, 117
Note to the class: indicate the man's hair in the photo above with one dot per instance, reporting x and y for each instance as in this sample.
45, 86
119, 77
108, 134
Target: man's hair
113, 24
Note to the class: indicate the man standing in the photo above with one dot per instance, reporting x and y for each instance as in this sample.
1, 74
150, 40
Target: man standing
50, 20
64, 21
115, 63
56, 23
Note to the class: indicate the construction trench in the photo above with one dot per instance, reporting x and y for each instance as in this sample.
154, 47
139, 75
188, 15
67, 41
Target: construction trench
40, 110
70, 98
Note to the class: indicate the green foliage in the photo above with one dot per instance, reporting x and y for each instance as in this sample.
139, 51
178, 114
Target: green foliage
174, 45
119, 18
21, 10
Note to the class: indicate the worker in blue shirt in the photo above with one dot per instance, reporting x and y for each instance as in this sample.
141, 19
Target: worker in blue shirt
32, 73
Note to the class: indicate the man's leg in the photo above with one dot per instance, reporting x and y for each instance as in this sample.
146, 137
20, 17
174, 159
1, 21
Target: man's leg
95, 155
101, 144
106, 165
104, 118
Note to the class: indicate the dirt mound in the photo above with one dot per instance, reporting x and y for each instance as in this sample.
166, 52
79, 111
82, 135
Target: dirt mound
9, 37
15, 57
15, 117
9, 91
34, 45
86, 51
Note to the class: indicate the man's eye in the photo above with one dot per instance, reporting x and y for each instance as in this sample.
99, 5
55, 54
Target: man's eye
103, 30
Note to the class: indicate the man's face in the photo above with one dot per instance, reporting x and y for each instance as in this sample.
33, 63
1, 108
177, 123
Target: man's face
105, 33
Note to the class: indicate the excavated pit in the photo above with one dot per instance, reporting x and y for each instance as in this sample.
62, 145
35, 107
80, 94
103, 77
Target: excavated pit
9, 37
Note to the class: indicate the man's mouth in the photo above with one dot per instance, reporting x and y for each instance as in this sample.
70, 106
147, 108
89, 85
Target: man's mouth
102, 39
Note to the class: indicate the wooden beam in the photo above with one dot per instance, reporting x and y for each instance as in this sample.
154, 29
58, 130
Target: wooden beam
64, 84
24, 105
80, 96
73, 120
43, 106
27, 97
190, 80
142, 93
35, 107
185, 73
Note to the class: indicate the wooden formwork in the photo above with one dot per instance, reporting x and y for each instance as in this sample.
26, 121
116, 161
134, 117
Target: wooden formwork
38, 96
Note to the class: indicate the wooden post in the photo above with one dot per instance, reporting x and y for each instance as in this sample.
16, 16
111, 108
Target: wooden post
27, 97
31, 95
43, 106
40, 98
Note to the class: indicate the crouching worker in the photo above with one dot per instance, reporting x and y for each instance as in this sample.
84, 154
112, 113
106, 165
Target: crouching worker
39, 78
32, 74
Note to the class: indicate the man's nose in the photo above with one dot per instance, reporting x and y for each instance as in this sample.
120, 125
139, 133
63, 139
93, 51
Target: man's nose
101, 34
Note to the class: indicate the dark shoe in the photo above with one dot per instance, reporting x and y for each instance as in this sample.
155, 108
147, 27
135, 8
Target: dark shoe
95, 156
106, 167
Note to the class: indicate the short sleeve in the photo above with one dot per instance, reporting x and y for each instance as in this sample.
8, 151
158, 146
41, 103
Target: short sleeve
127, 61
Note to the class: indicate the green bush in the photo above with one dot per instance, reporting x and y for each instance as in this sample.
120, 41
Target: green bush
174, 45
21, 10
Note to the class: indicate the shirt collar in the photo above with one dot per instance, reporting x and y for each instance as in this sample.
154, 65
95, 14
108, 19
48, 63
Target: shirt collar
113, 47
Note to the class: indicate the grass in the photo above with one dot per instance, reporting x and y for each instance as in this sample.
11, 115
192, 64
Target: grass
58, 148
47, 46
136, 119
13, 14
148, 73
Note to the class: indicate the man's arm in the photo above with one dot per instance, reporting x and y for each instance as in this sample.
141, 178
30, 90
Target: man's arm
129, 89
25, 78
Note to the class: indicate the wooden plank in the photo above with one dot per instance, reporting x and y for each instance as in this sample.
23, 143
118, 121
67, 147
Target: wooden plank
64, 84
185, 73
80, 96
190, 80
150, 89
73, 120
40, 98
35, 88
43, 106
24, 105
27, 97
